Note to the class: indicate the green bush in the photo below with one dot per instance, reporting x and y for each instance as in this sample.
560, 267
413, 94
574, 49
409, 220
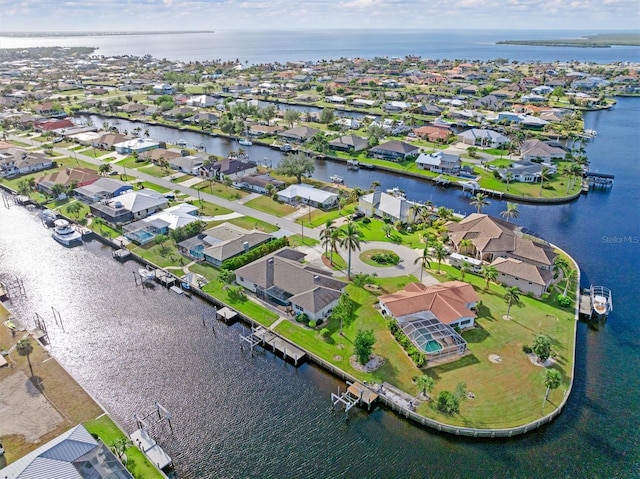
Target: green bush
361, 279
302, 318
564, 301
418, 357
366, 220
448, 403
526, 349
312, 323
254, 254
386, 258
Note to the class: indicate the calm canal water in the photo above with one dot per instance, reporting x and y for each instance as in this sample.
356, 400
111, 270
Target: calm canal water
237, 416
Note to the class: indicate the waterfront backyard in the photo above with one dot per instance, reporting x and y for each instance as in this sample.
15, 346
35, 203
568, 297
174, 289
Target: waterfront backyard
507, 393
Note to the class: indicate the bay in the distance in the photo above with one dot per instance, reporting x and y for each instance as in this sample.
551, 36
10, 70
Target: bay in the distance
255, 47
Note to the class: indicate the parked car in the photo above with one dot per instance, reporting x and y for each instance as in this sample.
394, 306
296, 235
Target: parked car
357, 215
58, 140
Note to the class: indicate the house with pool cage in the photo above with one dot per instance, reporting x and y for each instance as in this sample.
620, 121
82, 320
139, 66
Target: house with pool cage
430, 315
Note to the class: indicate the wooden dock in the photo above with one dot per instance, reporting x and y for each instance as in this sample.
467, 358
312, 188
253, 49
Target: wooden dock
356, 393
262, 336
585, 303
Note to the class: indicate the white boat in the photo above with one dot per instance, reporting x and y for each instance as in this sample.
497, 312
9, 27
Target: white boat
181, 142
245, 142
285, 147
601, 301
65, 233
337, 179
397, 192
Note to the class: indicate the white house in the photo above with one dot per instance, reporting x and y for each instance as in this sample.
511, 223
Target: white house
202, 101
163, 89
309, 195
136, 145
384, 205
480, 137
439, 162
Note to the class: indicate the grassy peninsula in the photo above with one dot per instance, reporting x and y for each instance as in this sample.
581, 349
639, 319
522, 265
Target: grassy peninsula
603, 40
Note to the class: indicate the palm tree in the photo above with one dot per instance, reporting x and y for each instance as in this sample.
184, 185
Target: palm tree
570, 276
355, 194
545, 174
511, 211
105, 168
560, 263
423, 260
552, 380
508, 176
325, 236
479, 200
25, 348
439, 253
350, 240
512, 295
415, 210
74, 208
425, 384
489, 273
464, 245
334, 240
444, 213
387, 229
375, 184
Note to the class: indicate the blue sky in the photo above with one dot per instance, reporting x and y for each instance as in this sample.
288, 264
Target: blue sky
119, 15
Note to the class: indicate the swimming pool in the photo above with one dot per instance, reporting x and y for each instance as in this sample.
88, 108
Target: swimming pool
432, 346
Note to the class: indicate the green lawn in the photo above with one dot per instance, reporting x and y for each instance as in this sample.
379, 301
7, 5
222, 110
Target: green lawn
210, 209
373, 232
137, 462
154, 187
130, 162
320, 217
154, 170
216, 289
339, 263
220, 190
19, 143
248, 223
297, 240
270, 206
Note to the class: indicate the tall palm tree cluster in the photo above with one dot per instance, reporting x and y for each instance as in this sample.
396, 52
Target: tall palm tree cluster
348, 238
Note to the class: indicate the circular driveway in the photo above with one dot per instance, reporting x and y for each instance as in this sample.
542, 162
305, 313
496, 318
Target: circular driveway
405, 266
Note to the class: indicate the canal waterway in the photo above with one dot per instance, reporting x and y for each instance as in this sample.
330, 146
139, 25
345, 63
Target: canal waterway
237, 416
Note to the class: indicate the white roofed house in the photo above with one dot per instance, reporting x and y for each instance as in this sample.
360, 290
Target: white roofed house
136, 145
224, 242
187, 164
480, 137
384, 205
130, 206
101, 189
144, 231
440, 162
307, 194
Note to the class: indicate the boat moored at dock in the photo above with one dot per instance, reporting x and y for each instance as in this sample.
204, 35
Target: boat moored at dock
65, 233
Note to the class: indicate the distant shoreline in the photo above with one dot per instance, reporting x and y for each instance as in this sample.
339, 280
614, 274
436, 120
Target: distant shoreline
589, 41
98, 34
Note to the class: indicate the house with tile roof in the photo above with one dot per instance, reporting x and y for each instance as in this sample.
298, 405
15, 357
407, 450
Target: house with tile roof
494, 240
67, 177
451, 302
526, 276
281, 279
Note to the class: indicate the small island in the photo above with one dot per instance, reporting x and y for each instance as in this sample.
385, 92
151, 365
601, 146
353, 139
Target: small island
603, 40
